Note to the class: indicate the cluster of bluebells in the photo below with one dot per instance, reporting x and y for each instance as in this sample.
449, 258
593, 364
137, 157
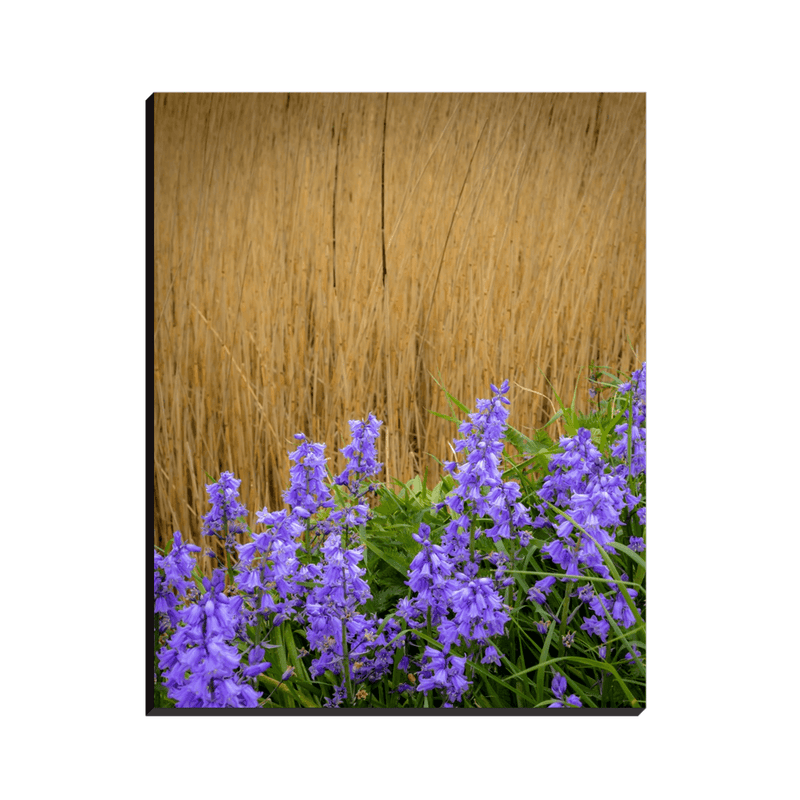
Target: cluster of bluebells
559, 688
202, 667
270, 573
221, 521
637, 388
480, 490
339, 592
171, 575
269, 567
431, 579
449, 593
306, 567
362, 455
595, 496
350, 644
324, 596
308, 493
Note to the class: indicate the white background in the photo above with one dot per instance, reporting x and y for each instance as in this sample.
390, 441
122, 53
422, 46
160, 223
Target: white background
722, 331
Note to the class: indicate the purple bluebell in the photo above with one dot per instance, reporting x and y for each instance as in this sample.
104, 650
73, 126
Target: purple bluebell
308, 491
478, 609
172, 586
632, 658
225, 510
596, 627
620, 609
430, 577
335, 599
201, 667
362, 464
637, 387
480, 490
559, 687
539, 591
444, 672
593, 495
542, 626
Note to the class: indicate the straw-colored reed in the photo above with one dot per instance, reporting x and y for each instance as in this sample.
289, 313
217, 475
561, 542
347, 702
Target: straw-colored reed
513, 228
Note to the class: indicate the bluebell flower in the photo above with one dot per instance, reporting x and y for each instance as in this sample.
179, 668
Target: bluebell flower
596, 627
308, 491
362, 461
491, 656
479, 489
585, 593
225, 510
559, 687
373, 648
339, 696
430, 577
361, 467
335, 599
269, 567
271, 573
539, 591
638, 387
630, 658
173, 585
599, 603
478, 609
201, 667
593, 494
620, 610
444, 672
542, 626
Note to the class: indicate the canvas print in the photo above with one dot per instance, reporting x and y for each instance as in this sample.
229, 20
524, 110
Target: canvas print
398, 403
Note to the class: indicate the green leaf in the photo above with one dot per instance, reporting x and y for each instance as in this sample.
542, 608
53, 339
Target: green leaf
604, 665
457, 403
415, 485
630, 553
390, 559
444, 416
519, 440
554, 418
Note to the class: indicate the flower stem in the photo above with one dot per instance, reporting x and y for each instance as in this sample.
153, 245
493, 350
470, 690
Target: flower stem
345, 654
564, 615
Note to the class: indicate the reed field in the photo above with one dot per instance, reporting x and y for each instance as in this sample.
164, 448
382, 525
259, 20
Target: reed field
322, 257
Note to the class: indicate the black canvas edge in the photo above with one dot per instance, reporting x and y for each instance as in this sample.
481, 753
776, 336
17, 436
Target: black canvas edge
149, 132
395, 712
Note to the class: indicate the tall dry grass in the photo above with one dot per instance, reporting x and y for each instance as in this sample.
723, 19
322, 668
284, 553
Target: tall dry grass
513, 228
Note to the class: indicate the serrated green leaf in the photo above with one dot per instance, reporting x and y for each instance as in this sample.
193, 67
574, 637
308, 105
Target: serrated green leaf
390, 559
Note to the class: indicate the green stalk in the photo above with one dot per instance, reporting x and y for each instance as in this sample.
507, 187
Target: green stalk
228, 565
345, 652
473, 647
564, 615
471, 543
630, 432
346, 661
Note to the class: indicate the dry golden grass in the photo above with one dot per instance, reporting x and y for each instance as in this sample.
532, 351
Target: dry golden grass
514, 234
